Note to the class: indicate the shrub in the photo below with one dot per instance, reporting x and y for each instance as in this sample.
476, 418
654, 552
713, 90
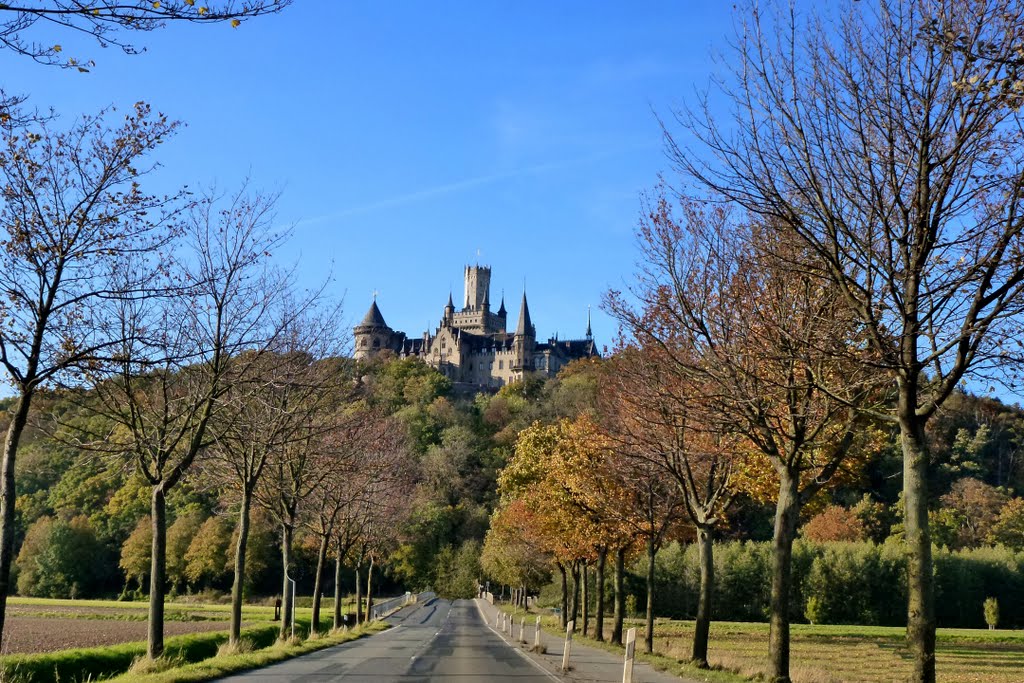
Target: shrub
991, 608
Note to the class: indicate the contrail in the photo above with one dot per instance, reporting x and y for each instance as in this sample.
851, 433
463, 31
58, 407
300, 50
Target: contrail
458, 186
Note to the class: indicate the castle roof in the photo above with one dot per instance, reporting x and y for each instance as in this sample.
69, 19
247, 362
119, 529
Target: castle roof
373, 317
525, 326
570, 348
501, 309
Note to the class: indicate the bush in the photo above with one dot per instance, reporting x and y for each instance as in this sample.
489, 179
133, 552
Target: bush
991, 608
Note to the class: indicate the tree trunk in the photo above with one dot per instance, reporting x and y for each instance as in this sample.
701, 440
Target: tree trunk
157, 574
337, 589
787, 515
586, 598
707, 586
599, 581
920, 586
565, 595
238, 585
369, 590
359, 593
8, 494
318, 582
652, 550
286, 598
574, 611
620, 595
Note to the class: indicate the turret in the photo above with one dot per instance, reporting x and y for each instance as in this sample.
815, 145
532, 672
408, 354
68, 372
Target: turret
525, 338
503, 314
449, 311
372, 334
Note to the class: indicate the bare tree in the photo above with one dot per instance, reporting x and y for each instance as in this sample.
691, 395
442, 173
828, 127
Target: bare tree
74, 219
108, 22
182, 352
260, 415
897, 160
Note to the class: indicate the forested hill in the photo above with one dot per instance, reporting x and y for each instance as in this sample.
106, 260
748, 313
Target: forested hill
76, 502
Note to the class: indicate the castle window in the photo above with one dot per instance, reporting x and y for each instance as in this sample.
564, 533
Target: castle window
376, 343
501, 365
363, 343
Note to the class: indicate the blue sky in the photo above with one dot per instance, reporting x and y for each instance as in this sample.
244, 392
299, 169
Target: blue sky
407, 137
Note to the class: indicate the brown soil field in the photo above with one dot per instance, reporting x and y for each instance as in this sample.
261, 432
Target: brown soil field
47, 634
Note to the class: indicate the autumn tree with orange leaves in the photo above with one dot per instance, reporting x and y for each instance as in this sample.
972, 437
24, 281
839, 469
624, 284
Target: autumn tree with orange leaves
728, 306
657, 417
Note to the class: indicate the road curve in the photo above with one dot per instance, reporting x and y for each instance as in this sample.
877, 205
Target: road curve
436, 641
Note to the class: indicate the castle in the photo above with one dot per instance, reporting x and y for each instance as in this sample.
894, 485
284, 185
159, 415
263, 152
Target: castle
471, 346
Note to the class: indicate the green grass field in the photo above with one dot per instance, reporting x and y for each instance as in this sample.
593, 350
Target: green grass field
834, 654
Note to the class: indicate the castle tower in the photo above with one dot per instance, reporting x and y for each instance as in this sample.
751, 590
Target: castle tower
502, 315
449, 311
372, 334
525, 338
478, 288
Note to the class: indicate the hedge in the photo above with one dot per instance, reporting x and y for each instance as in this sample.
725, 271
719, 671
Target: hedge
848, 583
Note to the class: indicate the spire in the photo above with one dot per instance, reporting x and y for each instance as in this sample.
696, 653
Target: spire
451, 304
373, 318
501, 310
590, 335
525, 326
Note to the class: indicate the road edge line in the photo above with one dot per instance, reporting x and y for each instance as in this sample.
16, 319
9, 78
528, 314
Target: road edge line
519, 652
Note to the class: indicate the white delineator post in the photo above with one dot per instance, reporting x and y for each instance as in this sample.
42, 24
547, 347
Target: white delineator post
536, 635
497, 618
522, 630
627, 668
568, 644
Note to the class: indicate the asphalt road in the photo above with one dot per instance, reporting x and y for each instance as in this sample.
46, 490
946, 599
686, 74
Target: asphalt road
436, 641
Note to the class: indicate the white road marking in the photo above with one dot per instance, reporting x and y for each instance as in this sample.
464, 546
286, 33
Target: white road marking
515, 649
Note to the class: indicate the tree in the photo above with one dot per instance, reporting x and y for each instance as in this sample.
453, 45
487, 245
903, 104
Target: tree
1009, 527
135, 552
658, 418
834, 523
107, 22
52, 567
180, 352
977, 506
72, 216
259, 416
875, 147
733, 314
179, 537
207, 554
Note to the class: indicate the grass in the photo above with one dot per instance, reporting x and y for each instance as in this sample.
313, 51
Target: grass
829, 654
197, 656
222, 665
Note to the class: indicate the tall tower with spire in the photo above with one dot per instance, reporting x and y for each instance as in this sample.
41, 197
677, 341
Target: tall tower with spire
525, 340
